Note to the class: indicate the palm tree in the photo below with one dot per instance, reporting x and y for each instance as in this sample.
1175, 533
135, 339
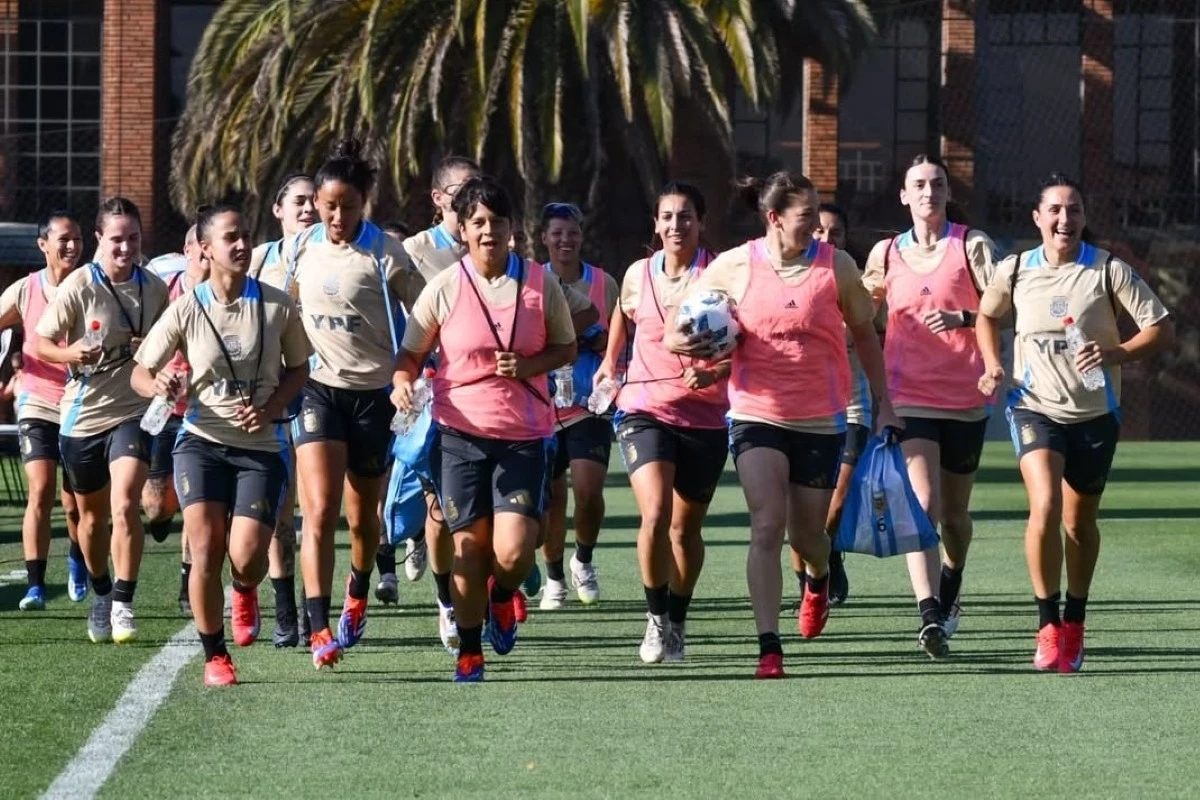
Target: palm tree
542, 89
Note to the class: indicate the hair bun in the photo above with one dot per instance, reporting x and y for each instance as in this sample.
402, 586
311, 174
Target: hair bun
349, 149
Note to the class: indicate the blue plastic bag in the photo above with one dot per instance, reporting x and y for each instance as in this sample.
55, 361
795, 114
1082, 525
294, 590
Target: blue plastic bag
404, 509
882, 516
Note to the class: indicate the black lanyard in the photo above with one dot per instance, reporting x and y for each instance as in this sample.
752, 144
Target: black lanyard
260, 344
661, 315
108, 284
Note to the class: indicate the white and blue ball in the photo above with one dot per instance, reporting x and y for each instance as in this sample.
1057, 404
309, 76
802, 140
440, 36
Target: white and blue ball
712, 312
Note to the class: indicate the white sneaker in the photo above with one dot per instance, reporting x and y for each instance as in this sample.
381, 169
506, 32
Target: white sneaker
416, 558
554, 595
124, 630
583, 577
100, 619
950, 623
654, 642
387, 591
676, 635
448, 629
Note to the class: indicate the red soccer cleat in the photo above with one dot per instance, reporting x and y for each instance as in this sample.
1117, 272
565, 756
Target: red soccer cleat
219, 672
245, 617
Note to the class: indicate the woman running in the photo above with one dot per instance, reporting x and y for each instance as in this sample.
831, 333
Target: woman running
584, 439
795, 299
40, 391
833, 229
1065, 432
349, 277
295, 211
231, 458
105, 452
930, 279
501, 326
670, 420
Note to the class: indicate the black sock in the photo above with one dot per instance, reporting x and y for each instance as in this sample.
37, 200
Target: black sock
318, 612
360, 583
1075, 609
185, 572
470, 641
36, 572
159, 529
240, 587
583, 552
76, 551
677, 607
214, 644
657, 599
285, 593
802, 577
385, 559
554, 570
769, 643
816, 585
930, 610
442, 581
500, 594
1048, 610
951, 584
101, 584
123, 591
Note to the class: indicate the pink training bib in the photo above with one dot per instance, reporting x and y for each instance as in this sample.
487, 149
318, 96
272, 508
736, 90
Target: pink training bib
40, 379
792, 363
653, 385
468, 395
934, 370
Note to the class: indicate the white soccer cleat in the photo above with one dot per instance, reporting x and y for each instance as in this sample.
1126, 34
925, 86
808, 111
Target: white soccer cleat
416, 558
654, 648
675, 646
100, 619
583, 577
387, 591
448, 629
124, 629
554, 595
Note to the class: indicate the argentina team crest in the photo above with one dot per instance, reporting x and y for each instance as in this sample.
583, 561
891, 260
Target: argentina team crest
233, 344
1058, 307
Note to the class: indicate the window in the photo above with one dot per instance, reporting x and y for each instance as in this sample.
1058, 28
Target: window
767, 140
1142, 76
53, 75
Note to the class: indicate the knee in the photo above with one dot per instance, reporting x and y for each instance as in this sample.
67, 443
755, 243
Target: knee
1081, 531
1045, 509
324, 516
71, 511
656, 520
124, 510
589, 503
957, 522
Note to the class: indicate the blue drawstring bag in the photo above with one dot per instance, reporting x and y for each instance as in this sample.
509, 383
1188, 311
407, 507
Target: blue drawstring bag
882, 516
404, 509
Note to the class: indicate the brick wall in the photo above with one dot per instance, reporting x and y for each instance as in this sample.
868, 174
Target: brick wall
131, 105
957, 98
821, 129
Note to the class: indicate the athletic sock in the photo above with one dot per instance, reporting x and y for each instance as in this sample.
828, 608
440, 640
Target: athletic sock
385, 559
185, 573
554, 570
657, 599
240, 587
470, 641
1075, 609
583, 552
501, 594
123, 591
360, 583
76, 551
677, 607
1048, 610
214, 644
442, 581
950, 587
159, 529
931, 612
36, 572
802, 577
285, 594
816, 585
101, 584
769, 643
318, 612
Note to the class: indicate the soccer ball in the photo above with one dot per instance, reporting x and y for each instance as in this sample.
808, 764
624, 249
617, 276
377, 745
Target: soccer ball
711, 311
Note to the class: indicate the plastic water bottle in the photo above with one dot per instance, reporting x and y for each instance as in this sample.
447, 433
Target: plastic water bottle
92, 337
404, 421
1093, 378
603, 395
161, 408
564, 382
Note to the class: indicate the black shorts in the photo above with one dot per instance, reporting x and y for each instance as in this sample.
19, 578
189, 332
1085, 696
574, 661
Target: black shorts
589, 439
813, 458
857, 437
477, 477
86, 458
699, 454
162, 449
38, 440
1087, 447
961, 443
250, 483
360, 418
